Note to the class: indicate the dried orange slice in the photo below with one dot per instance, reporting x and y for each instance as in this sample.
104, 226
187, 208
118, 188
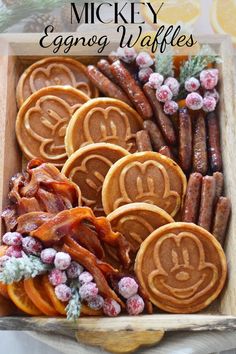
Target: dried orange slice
3, 250
49, 289
3, 290
36, 292
18, 295
223, 17
87, 311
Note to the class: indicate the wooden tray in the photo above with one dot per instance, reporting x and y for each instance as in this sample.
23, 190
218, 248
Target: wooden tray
127, 333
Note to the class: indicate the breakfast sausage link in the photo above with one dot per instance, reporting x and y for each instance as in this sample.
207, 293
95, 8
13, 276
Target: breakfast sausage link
207, 202
143, 141
163, 121
200, 145
105, 67
214, 150
105, 85
132, 89
155, 134
193, 198
185, 140
165, 150
221, 219
219, 179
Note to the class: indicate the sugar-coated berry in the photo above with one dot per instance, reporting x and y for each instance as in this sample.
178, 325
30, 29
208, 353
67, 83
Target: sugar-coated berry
63, 292
164, 93
74, 270
144, 60
31, 245
127, 287
62, 260
173, 85
135, 305
3, 261
96, 303
85, 277
14, 251
212, 93
126, 54
144, 75
88, 291
12, 239
156, 80
209, 104
57, 276
192, 84
111, 307
209, 78
170, 107
194, 101
48, 255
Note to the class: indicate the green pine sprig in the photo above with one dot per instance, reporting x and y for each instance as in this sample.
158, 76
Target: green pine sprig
74, 304
164, 64
16, 269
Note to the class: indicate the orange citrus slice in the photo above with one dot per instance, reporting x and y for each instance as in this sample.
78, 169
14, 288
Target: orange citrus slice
36, 292
172, 12
49, 289
3, 250
87, 311
223, 14
18, 295
4, 291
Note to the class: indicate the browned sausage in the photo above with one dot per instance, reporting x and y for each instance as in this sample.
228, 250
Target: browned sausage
112, 57
214, 150
193, 198
185, 140
207, 202
143, 141
219, 178
105, 85
200, 145
163, 121
133, 91
105, 67
221, 219
165, 150
155, 134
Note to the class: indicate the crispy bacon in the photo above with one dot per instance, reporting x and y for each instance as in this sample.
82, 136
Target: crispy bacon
31, 221
67, 222
9, 215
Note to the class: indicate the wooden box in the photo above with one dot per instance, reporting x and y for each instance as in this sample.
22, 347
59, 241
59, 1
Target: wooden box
147, 329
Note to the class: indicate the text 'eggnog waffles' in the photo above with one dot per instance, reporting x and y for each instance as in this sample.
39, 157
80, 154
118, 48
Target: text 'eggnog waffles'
182, 267
104, 120
144, 177
42, 121
54, 71
88, 166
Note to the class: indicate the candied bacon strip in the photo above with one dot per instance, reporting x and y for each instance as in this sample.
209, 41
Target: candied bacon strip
26, 205
66, 223
89, 261
9, 216
89, 239
31, 221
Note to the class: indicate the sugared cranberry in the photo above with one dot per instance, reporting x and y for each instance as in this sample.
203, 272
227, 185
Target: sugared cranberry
48, 255
144, 74
209, 78
135, 305
144, 60
173, 85
126, 54
74, 270
209, 104
14, 251
3, 261
212, 93
192, 84
194, 101
96, 303
127, 287
111, 308
31, 245
85, 277
156, 80
164, 93
170, 107
63, 292
88, 291
56, 277
12, 239
62, 260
